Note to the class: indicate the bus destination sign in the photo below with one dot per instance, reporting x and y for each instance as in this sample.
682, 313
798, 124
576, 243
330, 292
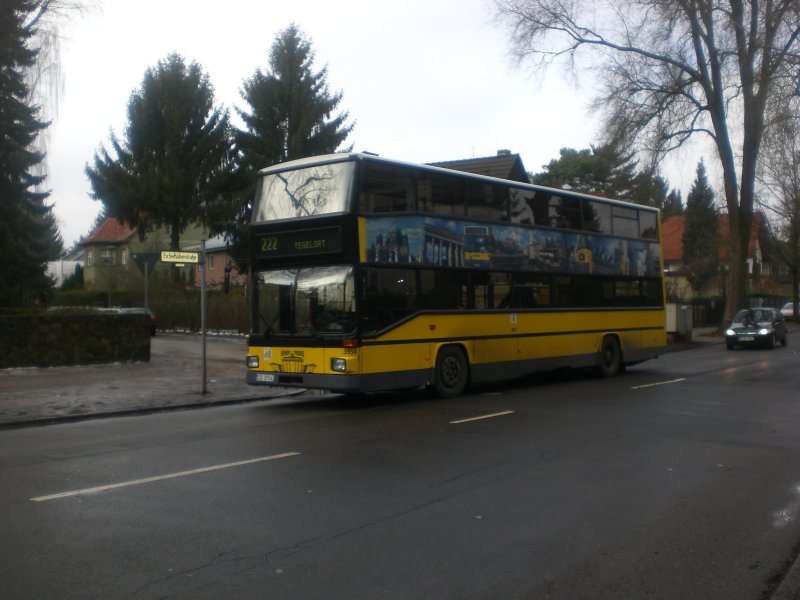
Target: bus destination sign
283, 244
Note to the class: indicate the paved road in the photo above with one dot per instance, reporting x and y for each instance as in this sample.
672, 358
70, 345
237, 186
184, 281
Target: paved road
680, 479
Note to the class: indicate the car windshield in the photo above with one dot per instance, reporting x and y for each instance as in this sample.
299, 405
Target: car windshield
753, 315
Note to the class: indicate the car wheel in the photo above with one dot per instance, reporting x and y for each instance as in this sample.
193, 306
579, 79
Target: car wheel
452, 372
610, 357
730, 345
784, 339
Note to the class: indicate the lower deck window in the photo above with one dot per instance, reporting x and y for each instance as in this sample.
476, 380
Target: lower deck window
391, 294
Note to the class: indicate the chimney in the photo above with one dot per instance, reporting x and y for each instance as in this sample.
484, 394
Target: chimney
504, 152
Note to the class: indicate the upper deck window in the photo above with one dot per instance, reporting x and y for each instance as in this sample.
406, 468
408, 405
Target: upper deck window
387, 189
311, 191
626, 221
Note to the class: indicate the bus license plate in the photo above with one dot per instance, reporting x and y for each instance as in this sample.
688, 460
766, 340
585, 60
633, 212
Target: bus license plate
265, 377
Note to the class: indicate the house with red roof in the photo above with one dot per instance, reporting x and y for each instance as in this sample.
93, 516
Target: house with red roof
109, 250
219, 261
764, 275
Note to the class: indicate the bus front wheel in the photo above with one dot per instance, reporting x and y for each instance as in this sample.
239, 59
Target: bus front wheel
610, 357
452, 372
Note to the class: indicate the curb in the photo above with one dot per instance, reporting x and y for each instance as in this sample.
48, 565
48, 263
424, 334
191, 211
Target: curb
789, 587
132, 412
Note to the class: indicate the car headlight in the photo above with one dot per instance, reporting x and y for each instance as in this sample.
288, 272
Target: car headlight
763, 331
252, 361
339, 364
730, 332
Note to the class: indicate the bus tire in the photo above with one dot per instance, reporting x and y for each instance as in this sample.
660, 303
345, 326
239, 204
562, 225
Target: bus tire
610, 357
452, 372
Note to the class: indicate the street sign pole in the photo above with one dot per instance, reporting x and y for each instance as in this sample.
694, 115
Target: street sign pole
203, 306
179, 259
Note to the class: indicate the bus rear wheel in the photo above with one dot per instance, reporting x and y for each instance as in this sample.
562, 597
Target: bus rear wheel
452, 372
610, 357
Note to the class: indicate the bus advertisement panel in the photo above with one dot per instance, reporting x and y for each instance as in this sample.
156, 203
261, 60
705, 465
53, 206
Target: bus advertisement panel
445, 242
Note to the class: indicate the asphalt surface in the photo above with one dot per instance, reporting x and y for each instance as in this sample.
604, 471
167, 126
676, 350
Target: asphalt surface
172, 380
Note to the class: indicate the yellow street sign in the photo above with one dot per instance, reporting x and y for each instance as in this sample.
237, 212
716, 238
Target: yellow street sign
180, 257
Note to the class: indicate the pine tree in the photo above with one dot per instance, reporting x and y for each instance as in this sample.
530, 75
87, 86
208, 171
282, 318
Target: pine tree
290, 109
673, 205
649, 189
597, 170
604, 170
176, 159
29, 234
701, 235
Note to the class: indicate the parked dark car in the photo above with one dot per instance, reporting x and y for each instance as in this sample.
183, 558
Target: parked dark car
756, 327
133, 311
142, 311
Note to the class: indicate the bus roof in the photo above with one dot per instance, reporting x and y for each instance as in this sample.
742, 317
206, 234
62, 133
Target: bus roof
366, 156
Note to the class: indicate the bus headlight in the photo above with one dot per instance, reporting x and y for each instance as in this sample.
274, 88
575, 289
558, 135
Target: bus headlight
339, 364
252, 361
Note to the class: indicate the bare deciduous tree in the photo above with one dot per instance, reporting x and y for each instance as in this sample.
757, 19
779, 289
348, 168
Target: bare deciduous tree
45, 21
779, 176
670, 69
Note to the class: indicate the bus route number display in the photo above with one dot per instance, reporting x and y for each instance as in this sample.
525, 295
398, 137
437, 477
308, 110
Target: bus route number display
324, 240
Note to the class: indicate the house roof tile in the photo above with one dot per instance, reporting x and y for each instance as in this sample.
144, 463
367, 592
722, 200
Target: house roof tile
504, 166
109, 231
672, 229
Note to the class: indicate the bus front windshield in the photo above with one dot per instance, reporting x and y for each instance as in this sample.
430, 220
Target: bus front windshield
312, 301
310, 191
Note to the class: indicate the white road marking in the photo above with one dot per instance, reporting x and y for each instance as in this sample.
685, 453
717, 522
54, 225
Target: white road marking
113, 486
499, 414
639, 387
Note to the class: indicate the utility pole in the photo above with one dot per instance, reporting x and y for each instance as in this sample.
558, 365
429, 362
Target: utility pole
203, 308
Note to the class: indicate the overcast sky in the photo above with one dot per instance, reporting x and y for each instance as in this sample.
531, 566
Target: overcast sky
424, 80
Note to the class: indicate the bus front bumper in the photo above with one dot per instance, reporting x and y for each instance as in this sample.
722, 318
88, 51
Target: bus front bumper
341, 383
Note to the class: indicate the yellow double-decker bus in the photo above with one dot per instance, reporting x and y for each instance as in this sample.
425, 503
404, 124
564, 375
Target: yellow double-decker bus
360, 281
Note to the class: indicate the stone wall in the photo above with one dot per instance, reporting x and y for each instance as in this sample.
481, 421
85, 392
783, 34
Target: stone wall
49, 340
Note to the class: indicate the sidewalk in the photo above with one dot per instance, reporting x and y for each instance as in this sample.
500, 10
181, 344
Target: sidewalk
701, 336
168, 381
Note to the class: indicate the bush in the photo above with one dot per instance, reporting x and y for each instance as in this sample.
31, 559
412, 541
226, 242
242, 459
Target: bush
80, 298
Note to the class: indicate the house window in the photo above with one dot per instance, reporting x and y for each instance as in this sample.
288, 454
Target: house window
123, 256
107, 255
89, 257
210, 258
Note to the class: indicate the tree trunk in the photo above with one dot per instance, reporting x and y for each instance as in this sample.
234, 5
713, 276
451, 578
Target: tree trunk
737, 278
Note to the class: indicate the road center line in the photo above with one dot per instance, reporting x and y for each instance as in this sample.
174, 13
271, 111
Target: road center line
499, 414
114, 486
639, 387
